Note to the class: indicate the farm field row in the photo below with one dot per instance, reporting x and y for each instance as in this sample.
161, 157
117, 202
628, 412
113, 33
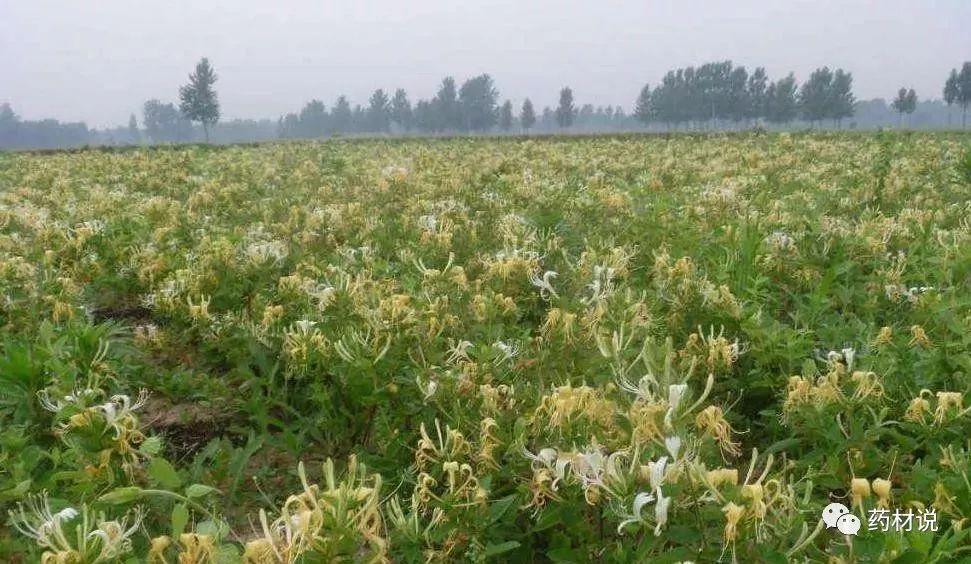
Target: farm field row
603, 349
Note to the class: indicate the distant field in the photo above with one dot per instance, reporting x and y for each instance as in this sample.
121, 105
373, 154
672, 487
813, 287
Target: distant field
621, 349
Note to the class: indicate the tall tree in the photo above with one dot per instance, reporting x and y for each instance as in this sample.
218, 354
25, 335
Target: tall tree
782, 105
565, 111
446, 106
359, 119
815, 95
900, 104
401, 112
964, 92
378, 112
8, 125
643, 109
425, 118
133, 132
340, 116
163, 123
952, 91
313, 120
841, 99
288, 127
477, 103
198, 100
737, 103
756, 91
527, 115
505, 116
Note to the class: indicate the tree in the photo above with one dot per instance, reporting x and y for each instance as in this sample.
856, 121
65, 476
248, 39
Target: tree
737, 103
527, 115
477, 103
8, 125
446, 107
643, 108
815, 95
288, 127
133, 132
911, 101
425, 119
756, 93
964, 92
781, 103
505, 116
164, 123
840, 98
359, 119
312, 120
904, 103
340, 116
401, 109
565, 112
198, 101
378, 112
952, 91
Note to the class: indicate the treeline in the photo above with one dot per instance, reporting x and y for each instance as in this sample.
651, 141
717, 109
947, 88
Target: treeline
720, 93
716, 95
42, 134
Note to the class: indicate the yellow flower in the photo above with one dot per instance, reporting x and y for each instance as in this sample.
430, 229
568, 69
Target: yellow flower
919, 337
733, 514
882, 488
712, 421
723, 476
885, 337
860, 488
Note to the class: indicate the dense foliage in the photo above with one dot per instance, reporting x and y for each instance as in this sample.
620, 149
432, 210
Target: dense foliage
636, 349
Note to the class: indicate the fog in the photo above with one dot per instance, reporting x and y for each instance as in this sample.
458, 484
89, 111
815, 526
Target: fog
99, 62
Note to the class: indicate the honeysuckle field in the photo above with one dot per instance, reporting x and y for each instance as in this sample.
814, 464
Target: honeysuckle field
627, 349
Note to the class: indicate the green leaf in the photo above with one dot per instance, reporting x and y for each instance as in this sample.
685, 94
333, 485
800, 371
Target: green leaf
217, 529
227, 554
151, 446
501, 507
781, 445
199, 490
180, 518
121, 495
495, 549
164, 474
911, 556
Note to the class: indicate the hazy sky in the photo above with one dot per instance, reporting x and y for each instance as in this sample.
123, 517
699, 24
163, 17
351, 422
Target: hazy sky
99, 60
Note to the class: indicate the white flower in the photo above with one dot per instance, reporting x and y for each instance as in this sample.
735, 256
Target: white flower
66, 514
427, 390
506, 351
673, 444
544, 284
657, 472
545, 458
640, 500
428, 223
305, 325
675, 393
661, 511
848, 356
459, 351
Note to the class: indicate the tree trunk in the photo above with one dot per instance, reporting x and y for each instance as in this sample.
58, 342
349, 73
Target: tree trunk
205, 129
